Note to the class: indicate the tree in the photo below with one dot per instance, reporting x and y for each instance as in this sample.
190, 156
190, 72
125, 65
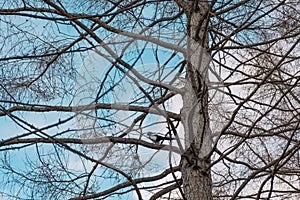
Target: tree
84, 83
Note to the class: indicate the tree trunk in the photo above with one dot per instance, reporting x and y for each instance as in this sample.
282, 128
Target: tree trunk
197, 183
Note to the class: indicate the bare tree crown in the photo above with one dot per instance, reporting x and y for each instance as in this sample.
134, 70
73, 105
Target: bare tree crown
87, 86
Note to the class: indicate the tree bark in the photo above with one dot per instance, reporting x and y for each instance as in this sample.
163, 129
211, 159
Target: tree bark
197, 183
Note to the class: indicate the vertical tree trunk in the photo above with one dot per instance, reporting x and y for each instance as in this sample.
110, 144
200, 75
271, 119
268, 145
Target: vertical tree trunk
197, 183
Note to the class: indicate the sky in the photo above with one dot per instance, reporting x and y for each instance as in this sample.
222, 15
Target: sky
90, 72
92, 68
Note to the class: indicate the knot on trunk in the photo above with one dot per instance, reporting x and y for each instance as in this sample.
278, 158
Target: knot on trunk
191, 159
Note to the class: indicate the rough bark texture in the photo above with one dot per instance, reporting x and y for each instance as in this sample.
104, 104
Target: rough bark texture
197, 183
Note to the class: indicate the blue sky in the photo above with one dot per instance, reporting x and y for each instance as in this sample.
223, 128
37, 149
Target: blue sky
91, 69
39, 120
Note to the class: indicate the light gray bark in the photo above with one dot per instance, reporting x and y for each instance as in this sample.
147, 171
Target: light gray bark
197, 183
